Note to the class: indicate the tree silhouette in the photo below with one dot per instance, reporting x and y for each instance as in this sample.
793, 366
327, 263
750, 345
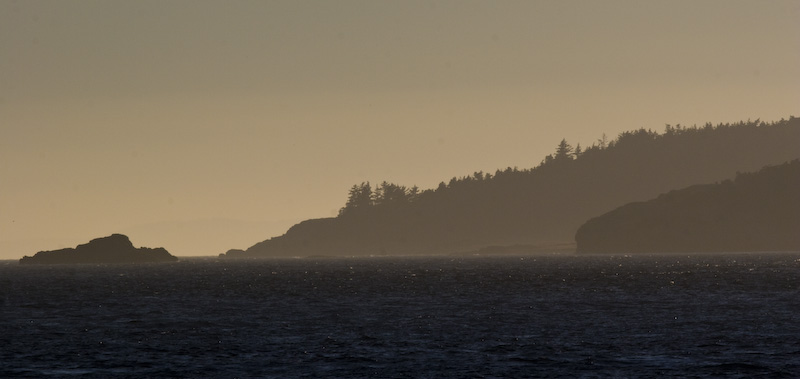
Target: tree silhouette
389, 194
359, 199
413, 194
563, 151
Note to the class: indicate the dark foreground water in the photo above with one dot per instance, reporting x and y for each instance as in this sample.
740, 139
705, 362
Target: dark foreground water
552, 316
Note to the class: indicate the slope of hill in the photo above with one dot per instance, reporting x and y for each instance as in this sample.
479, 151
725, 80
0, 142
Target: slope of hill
540, 206
755, 212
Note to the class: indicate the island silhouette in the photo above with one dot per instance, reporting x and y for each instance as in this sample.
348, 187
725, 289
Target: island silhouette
116, 248
754, 212
537, 209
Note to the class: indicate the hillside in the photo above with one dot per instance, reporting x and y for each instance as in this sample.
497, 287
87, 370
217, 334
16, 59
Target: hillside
544, 205
754, 212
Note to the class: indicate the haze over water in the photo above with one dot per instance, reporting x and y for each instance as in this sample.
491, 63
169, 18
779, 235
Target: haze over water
203, 126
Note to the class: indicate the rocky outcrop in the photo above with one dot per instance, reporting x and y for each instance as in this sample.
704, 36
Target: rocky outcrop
116, 248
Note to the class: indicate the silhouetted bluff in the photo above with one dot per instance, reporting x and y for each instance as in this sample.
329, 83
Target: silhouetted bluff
541, 206
755, 212
116, 248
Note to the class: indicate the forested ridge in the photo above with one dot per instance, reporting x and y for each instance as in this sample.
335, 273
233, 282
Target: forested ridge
540, 206
754, 212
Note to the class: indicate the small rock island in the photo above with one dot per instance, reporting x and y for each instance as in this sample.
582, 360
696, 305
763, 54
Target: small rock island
116, 248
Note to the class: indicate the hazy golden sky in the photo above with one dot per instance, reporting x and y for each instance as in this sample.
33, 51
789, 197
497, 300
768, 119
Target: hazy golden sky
207, 125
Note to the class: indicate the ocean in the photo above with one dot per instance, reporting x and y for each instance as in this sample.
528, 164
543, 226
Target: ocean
597, 316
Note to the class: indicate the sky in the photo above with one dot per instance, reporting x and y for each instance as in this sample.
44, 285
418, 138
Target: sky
202, 126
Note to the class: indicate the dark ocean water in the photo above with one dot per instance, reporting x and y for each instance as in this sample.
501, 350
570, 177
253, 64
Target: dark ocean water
537, 316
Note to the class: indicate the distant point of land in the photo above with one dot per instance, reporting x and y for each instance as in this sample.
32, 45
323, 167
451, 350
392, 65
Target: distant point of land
116, 248
754, 212
519, 211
